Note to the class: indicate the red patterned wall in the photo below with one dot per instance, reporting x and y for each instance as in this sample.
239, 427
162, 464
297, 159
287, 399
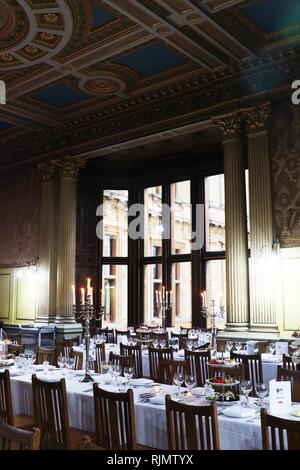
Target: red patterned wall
19, 212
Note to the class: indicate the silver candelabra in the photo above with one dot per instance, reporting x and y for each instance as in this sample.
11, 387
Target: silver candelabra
86, 312
213, 314
164, 306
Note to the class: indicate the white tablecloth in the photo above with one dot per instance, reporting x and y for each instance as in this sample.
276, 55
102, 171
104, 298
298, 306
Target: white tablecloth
150, 419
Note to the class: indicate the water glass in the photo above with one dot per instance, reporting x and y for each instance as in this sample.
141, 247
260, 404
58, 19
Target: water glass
128, 374
228, 346
190, 382
238, 346
272, 348
246, 388
178, 380
261, 391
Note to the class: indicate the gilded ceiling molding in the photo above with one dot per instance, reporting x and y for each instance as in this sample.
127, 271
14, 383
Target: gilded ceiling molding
257, 120
230, 125
69, 168
47, 171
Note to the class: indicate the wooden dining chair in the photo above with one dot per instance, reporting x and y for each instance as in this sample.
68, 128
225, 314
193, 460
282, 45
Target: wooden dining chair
44, 354
15, 338
64, 347
115, 419
6, 406
261, 346
12, 438
167, 368
198, 365
160, 337
279, 433
192, 427
181, 339
78, 356
100, 357
154, 355
121, 360
253, 368
52, 417
109, 334
292, 376
136, 352
120, 333
16, 349
287, 363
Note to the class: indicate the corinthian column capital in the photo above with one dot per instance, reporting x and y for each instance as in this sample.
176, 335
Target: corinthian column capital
69, 168
256, 120
230, 125
47, 171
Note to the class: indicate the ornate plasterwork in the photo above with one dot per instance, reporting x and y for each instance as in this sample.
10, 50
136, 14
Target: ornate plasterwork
47, 171
29, 35
68, 168
257, 119
285, 151
230, 126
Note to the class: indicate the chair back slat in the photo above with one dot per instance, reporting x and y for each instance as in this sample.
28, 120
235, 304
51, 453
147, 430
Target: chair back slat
12, 438
198, 365
279, 433
136, 352
99, 357
154, 355
78, 356
6, 408
51, 413
115, 419
192, 427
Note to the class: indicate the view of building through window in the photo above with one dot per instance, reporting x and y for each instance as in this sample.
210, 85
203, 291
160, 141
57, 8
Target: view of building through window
167, 259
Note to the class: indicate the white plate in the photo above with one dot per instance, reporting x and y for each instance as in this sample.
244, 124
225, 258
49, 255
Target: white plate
198, 391
295, 412
140, 382
180, 353
48, 377
233, 384
160, 400
239, 412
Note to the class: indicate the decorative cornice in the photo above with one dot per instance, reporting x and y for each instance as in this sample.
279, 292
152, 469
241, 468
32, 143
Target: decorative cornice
48, 171
230, 126
69, 168
256, 120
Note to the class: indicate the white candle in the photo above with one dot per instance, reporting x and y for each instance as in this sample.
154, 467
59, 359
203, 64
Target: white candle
157, 296
91, 295
163, 293
82, 295
102, 297
73, 295
88, 284
170, 297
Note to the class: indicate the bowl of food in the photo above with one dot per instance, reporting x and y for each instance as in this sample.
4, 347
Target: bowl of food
226, 381
226, 399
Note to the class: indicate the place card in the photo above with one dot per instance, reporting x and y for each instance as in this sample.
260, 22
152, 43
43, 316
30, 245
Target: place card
280, 397
281, 347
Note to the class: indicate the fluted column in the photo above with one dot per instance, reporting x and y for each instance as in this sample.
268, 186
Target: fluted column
262, 268
237, 289
68, 171
48, 243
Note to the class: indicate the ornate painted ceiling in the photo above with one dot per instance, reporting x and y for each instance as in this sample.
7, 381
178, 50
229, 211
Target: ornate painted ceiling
86, 77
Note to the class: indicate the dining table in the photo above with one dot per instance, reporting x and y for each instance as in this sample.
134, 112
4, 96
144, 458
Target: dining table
236, 433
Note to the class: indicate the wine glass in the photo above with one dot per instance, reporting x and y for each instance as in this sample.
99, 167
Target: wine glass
261, 391
272, 348
70, 363
190, 383
246, 388
295, 357
61, 361
178, 380
238, 346
128, 374
189, 345
228, 346
117, 370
